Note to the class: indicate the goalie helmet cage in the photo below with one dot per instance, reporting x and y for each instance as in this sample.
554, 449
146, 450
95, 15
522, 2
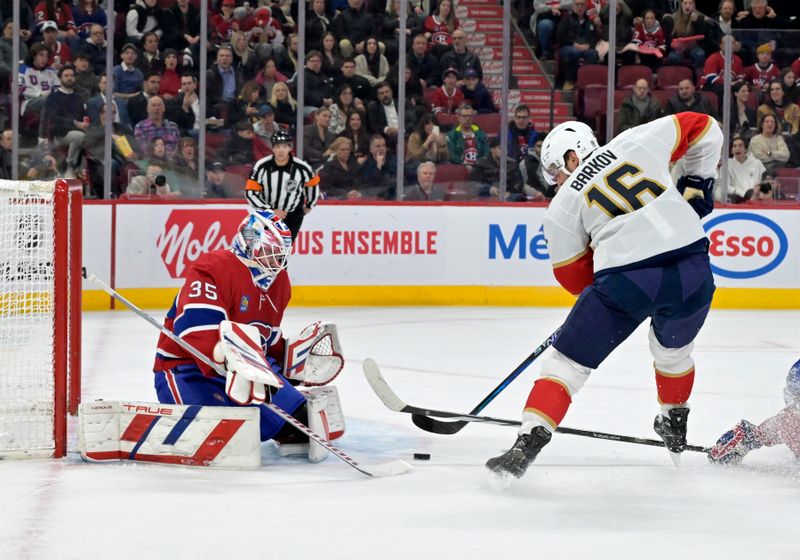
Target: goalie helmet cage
40, 314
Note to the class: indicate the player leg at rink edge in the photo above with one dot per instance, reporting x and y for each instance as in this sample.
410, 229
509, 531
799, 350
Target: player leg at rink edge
633, 248
249, 285
782, 428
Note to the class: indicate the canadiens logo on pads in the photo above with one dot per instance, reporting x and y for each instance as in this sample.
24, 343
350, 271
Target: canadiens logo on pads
244, 304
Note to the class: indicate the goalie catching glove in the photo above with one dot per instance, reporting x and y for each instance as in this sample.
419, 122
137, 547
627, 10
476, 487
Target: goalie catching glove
314, 357
248, 373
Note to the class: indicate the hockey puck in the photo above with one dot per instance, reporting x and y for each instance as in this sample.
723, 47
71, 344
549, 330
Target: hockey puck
422, 456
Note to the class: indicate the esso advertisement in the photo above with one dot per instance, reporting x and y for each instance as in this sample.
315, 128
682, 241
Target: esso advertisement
745, 245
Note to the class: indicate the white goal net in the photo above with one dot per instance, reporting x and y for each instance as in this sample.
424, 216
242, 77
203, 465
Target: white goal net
35, 320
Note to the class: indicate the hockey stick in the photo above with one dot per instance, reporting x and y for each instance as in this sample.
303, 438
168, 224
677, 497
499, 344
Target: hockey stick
385, 469
393, 402
429, 424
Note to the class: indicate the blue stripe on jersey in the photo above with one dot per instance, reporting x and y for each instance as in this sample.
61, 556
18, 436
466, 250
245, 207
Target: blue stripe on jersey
174, 309
198, 317
180, 427
142, 439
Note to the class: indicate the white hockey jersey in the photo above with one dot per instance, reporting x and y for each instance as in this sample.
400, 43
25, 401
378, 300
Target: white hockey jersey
621, 203
35, 83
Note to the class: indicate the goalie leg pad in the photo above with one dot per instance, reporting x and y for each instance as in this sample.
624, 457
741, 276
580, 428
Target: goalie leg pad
333, 414
200, 436
318, 422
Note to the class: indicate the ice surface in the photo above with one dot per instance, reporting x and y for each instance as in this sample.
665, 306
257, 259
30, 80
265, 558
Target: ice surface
582, 498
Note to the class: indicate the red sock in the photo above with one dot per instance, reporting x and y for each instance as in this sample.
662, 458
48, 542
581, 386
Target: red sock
674, 388
549, 399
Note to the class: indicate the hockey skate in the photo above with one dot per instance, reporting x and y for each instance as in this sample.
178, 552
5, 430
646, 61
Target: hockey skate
516, 460
672, 429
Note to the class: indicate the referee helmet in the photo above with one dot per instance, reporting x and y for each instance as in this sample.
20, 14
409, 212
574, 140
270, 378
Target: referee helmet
281, 137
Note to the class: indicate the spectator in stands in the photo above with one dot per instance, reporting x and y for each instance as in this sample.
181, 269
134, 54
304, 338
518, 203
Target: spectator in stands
460, 57
6, 143
223, 81
447, 98
577, 36
767, 190
284, 105
641, 107
58, 11
390, 27
423, 63
379, 171
764, 71
245, 61
215, 180
247, 103
344, 103
688, 22
331, 58
547, 14
760, 17
36, 81
267, 34
339, 177
426, 143
356, 131
317, 90
26, 24
382, 114
266, 125
317, 139
186, 158
99, 100
149, 59
439, 27
768, 145
467, 143
476, 94
155, 125
362, 90
137, 105
269, 76
424, 189
85, 14
184, 108
743, 116
127, 80
745, 172
124, 149
790, 84
725, 18
688, 99
239, 150
521, 133
371, 64
60, 53
85, 80
42, 167
787, 113
170, 78
141, 18
182, 27
624, 33
64, 115
154, 182
222, 24
287, 60
6, 54
352, 26
487, 174
649, 39
536, 186
713, 77
317, 24
95, 47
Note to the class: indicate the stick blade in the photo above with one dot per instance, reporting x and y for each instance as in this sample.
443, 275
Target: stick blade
435, 426
392, 468
381, 388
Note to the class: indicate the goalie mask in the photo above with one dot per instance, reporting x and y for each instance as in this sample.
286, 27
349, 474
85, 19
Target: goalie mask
791, 393
263, 243
569, 136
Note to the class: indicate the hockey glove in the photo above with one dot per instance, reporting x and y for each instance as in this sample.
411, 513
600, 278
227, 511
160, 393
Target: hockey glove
734, 444
698, 192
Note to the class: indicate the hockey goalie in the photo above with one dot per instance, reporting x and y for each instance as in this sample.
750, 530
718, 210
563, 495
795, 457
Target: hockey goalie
230, 309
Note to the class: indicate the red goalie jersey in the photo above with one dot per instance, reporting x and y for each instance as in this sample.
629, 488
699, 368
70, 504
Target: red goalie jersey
219, 286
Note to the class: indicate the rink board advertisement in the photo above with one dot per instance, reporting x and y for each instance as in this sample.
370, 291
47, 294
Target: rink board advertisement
401, 254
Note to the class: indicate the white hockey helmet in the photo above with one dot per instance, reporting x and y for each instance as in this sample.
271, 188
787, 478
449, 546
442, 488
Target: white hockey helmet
263, 243
571, 135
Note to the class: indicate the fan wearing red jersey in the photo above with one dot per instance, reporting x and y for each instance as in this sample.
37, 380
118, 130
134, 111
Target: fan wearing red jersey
624, 237
248, 286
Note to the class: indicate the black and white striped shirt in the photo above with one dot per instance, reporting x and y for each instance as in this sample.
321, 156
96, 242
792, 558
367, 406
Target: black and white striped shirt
285, 187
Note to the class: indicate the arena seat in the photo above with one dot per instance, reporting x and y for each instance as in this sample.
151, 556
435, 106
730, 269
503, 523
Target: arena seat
629, 74
667, 76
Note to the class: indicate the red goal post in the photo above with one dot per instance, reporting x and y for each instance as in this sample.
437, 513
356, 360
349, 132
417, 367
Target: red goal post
40, 315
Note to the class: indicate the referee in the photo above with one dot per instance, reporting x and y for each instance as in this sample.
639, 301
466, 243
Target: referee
283, 184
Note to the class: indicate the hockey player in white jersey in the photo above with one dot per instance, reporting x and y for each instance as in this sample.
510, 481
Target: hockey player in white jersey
622, 235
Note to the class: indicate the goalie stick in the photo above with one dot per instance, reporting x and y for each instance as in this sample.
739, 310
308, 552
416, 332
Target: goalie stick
435, 426
384, 469
392, 401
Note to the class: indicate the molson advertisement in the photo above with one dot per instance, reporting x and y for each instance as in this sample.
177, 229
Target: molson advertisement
425, 255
